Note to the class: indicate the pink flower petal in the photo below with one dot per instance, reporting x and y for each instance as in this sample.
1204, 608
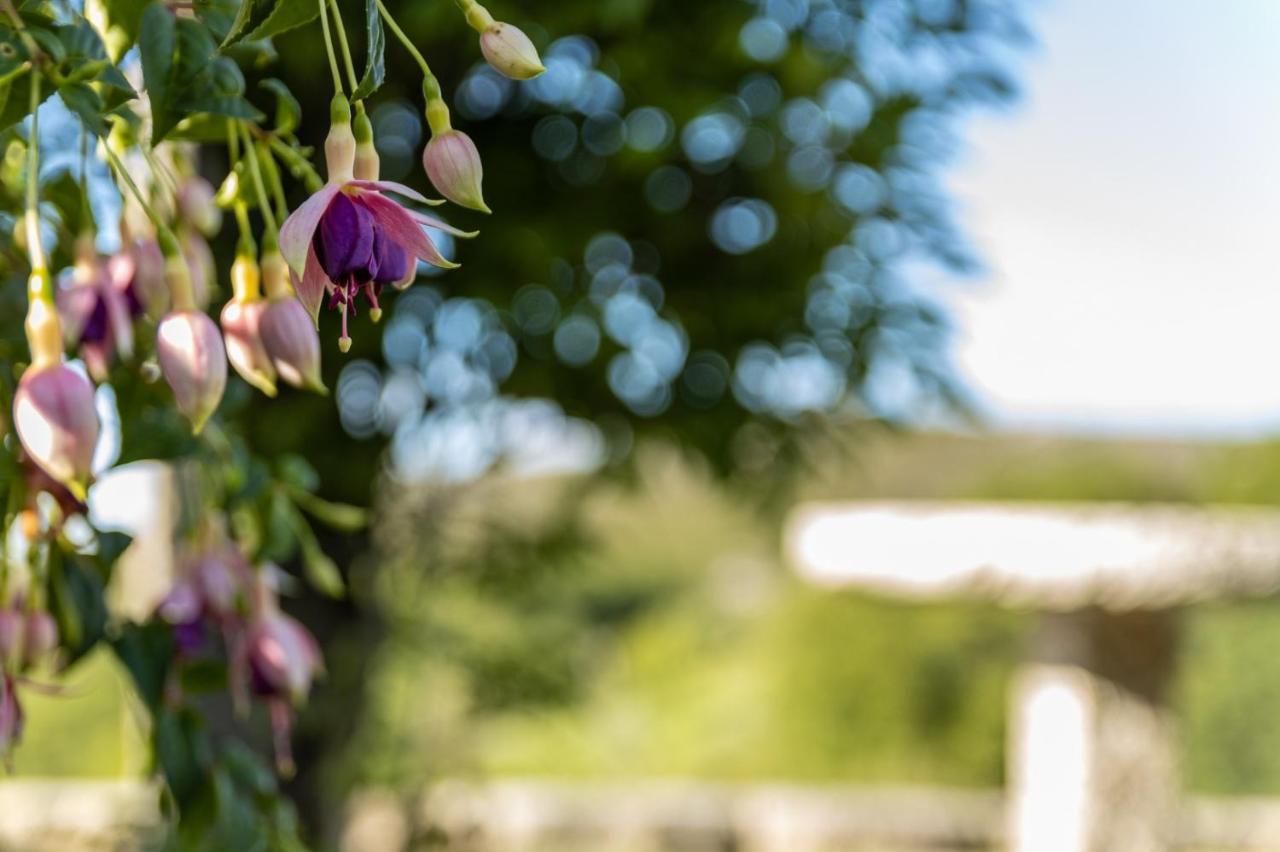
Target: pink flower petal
397, 188
401, 228
311, 286
441, 225
298, 229
120, 319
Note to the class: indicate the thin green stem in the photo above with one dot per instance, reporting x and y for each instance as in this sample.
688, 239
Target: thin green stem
246, 245
328, 46
273, 229
404, 39
277, 186
342, 43
35, 245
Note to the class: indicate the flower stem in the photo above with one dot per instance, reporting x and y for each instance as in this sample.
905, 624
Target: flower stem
35, 244
478, 17
404, 39
272, 238
180, 279
328, 46
346, 48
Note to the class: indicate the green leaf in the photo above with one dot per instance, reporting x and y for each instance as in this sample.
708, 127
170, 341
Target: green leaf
76, 602
286, 15
288, 110
118, 21
322, 572
87, 57
375, 46
339, 516
157, 40
146, 650
184, 74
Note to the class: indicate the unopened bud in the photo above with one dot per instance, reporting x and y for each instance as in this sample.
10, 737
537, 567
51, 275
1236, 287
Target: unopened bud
453, 165
54, 414
510, 52
291, 339
194, 363
12, 630
242, 334
40, 637
196, 204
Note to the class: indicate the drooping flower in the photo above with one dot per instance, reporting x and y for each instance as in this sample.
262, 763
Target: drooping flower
200, 262
12, 629
96, 310
193, 362
453, 165
510, 52
57, 423
283, 656
40, 637
350, 239
141, 265
242, 327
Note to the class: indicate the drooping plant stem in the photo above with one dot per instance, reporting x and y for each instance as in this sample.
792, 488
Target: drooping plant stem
342, 43
35, 244
437, 110
177, 276
271, 239
328, 46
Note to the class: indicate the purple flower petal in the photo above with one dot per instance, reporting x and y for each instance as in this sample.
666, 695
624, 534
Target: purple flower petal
391, 262
300, 227
344, 239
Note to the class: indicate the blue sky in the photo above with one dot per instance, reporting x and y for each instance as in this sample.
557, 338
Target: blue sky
1128, 211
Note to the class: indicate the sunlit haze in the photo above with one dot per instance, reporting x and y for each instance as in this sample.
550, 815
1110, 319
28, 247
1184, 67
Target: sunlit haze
1127, 211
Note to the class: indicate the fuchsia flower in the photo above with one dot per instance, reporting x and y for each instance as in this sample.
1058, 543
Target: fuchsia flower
54, 414
349, 238
97, 310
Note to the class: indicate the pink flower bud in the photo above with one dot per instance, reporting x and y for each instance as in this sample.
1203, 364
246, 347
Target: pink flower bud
200, 263
195, 203
194, 363
12, 628
291, 340
10, 717
510, 52
242, 333
283, 656
453, 164
40, 638
54, 415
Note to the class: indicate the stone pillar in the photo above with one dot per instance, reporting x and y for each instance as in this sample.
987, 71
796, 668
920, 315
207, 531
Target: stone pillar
1092, 741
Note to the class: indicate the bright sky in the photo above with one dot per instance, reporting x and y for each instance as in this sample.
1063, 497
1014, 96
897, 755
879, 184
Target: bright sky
1129, 213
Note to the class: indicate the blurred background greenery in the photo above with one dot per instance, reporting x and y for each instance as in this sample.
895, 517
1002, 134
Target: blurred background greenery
702, 298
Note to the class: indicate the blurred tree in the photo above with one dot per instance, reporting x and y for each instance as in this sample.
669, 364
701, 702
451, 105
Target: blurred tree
716, 222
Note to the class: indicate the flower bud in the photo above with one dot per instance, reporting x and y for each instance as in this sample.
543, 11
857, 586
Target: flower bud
291, 340
12, 628
242, 327
200, 265
453, 165
367, 161
40, 638
55, 417
510, 52
283, 656
195, 204
194, 363
142, 266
